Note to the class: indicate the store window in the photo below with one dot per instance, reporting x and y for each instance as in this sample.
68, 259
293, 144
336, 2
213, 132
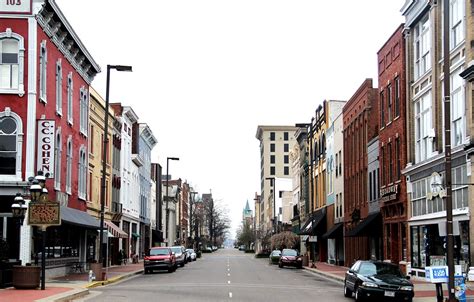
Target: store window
12, 52
11, 140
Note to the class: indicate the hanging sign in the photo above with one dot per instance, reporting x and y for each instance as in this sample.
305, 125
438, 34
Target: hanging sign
44, 214
45, 155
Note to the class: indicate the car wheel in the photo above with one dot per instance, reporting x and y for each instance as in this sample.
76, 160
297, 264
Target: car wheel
358, 296
347, 292
146, 272
182, 264
171, 269
280, 265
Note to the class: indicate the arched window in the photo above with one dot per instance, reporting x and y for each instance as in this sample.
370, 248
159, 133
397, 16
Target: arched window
59, 88
11, 141
69, 165
12, 54
43, 71
57, 160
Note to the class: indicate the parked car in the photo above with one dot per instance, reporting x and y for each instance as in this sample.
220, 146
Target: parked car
290, 257
242, 247
160, 258
214, 248
379, 280
275, 257
180, 253
192, 255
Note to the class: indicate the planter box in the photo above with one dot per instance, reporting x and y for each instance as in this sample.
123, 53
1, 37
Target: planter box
26, 277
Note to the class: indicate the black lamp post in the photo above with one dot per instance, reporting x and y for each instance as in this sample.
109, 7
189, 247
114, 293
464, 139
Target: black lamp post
167, 198
104, 158
38, 193
273, 184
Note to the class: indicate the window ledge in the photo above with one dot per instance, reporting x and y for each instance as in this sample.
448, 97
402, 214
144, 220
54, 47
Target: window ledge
59, 113
43, 100
20, 92
70, 123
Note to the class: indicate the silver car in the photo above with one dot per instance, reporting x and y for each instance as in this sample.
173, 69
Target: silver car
192, 254
180, 254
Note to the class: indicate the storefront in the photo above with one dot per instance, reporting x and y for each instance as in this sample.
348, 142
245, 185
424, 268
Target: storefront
427, 226
71, 242
312, 231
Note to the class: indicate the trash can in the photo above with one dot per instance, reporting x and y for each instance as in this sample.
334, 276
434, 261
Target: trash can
305, 260
97, 270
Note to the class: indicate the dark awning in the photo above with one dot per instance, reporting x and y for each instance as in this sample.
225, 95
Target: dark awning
309, 228
359, 229
79, 218
334, 232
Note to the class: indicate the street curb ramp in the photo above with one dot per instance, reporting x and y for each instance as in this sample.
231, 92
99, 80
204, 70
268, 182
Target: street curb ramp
112, 280
326, 275
67, 296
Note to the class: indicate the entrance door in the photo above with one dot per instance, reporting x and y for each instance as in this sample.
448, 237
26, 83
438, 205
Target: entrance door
9, 236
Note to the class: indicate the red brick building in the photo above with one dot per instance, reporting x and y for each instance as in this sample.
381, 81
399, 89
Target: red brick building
44, 82
392, 144
360, 115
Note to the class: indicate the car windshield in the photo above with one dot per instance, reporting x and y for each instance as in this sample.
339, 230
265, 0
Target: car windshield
176, 250
190, 250
371, 269
289, 253
276, 253
157, 252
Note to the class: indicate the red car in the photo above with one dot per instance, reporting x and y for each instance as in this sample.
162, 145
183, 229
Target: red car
290, 257
160, 258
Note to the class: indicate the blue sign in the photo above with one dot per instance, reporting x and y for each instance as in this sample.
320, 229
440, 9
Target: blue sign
436, 274
460, 288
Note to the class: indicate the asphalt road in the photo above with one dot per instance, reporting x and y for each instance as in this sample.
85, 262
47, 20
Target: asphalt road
225, 275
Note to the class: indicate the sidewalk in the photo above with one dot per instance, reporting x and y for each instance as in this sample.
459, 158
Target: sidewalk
70, 286
424, 291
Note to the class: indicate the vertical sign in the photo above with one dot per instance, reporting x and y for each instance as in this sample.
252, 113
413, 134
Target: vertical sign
15, 6
45, 155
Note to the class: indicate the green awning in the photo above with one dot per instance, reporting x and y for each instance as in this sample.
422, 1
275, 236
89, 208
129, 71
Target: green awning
135, 235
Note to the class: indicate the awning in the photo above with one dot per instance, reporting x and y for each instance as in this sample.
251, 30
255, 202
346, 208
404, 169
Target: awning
79, 218
309, 228
115, 230
359, 229
334, 232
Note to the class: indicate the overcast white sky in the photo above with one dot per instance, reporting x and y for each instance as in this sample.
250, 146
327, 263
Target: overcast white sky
206, 73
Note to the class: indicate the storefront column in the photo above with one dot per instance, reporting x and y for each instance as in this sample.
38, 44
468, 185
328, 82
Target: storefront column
25, 240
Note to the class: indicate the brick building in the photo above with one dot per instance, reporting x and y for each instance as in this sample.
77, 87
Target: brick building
360, 127
45, 78
392, 146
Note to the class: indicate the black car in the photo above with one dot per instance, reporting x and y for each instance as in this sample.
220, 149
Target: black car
377, 280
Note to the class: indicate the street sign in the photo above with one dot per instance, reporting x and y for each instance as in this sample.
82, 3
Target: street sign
44, 214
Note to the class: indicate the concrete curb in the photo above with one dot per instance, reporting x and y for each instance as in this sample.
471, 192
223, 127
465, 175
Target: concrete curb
113, 280
67, 296
323, 274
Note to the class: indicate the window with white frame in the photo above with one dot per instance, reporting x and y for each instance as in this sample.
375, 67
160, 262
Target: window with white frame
423, 141
11, 140
82, 173
11, 62
457, 23
43, 71
69, 97
460, 184
84, 110
422, 46
57, 161
69, 165
59, 88
457, 109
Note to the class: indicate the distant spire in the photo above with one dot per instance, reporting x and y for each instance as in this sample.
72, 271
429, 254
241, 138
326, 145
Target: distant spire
247, 207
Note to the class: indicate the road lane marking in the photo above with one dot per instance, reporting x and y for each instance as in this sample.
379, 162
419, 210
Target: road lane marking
228, 282
230, 295
228, 275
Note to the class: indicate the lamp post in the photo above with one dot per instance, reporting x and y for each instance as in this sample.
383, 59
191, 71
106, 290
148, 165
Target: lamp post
167, 197
38, 193
104, 157
273, 184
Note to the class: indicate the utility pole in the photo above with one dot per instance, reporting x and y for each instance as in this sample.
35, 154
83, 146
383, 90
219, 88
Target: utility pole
447, 151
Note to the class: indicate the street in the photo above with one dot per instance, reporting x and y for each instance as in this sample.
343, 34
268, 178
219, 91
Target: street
225, 275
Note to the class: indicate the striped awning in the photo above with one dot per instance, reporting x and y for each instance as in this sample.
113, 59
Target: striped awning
115, 230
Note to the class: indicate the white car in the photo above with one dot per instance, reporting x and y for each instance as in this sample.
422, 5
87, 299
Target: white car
192, 254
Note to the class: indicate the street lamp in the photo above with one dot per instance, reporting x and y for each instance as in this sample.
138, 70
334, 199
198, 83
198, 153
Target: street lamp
167, 197
273, 184
104, 156
37, 193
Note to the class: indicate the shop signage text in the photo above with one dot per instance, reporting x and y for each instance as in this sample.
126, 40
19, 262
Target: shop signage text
389, 193
45, 155
15, 6
44, 214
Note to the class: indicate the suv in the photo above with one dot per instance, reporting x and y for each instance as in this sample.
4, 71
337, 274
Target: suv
159, 258
180, 253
